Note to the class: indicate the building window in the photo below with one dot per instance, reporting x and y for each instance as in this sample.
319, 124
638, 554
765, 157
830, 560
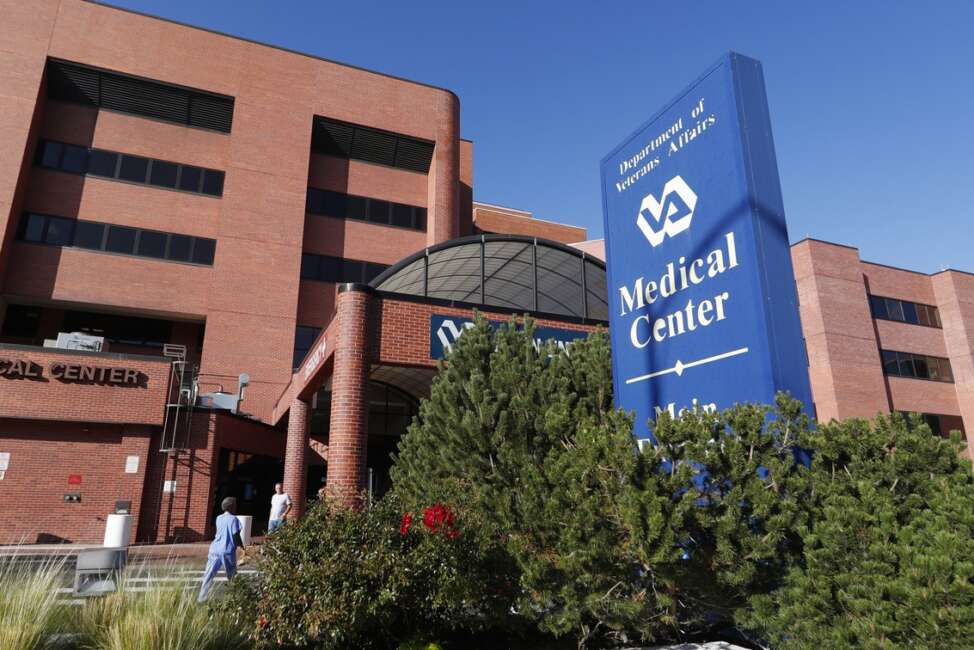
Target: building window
74, 159
95, 236
904, 311
21, 321
361, 208
917, 366
325, 268
123, 330
304, 338
940, 425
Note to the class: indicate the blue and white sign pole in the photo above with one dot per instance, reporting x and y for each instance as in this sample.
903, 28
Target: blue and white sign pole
702, 303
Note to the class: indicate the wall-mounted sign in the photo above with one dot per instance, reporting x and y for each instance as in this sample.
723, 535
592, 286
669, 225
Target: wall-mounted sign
131, 464
72, 373
703, 307
445, 330
74, 479
4, 461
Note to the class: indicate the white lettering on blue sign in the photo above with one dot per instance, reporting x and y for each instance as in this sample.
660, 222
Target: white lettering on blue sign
702, 305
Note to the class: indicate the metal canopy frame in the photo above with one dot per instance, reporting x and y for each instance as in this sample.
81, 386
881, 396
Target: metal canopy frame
507, 272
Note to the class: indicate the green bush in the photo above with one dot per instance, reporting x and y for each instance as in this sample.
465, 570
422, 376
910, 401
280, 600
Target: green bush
342, 578
887, 547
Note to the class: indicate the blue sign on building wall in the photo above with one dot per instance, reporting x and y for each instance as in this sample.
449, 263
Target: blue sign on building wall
446, 330
702, 303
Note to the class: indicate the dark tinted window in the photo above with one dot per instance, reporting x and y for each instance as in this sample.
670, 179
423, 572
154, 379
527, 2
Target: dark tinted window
190, 178
134, 168
49, 154
352, 271
75, 159
906, 364
33, 228
304, 338
102, 163
120, 240
88, 234
163, 173
357, 207
203, 251
878, 305
179, 247
329, 268
21, 321
347, 206
373, 270
59, 231
152, 244
213, 182
334, 204
309, 267
904, 311
910, 312
378, 211
402, 215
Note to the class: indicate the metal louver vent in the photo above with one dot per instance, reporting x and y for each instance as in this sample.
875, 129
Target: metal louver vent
144, 98
127, 94
374, 146
414, 154
333, 138
346, 140
72, 84
211, 112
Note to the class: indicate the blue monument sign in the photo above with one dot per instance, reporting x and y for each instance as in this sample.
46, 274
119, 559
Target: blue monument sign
702, 303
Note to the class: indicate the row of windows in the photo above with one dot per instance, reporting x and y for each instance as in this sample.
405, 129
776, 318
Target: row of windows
358, 142
92, 235
304, 338
904, 311
348, 206
325, 268
125, 167
906, 364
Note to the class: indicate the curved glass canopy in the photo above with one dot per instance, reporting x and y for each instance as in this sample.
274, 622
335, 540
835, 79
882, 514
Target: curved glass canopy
510, 272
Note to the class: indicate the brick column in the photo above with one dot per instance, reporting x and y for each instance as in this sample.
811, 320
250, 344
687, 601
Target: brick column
295, 455
349, 390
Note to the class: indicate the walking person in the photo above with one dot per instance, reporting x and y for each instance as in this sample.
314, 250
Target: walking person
280, 506
223, 549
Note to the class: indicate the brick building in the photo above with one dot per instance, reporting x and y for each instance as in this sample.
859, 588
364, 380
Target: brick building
210, 207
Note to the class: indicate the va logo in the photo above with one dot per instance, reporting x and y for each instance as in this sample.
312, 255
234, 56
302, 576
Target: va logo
448, 333
671, 214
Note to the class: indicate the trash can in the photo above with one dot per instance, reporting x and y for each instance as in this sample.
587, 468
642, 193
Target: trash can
246, 525
118, 531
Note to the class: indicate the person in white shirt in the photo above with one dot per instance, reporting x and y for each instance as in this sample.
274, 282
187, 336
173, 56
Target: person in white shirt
280, 506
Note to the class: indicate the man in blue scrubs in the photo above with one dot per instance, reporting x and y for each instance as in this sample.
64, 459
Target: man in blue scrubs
223, 550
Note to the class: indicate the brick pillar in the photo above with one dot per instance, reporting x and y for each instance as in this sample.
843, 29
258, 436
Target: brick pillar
349, 389
295, 455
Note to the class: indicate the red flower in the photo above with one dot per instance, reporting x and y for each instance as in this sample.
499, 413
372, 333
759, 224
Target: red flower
407, 521
262, 622
453, 533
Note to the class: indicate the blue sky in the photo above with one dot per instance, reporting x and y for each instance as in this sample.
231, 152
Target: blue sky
872, 103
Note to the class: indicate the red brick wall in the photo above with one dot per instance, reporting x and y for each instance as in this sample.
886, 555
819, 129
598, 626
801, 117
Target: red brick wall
493, 219
43, 454
250, 297
400, 333
52, 399
186, 515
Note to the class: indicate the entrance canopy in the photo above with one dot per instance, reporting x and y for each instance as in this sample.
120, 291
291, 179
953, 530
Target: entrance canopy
510, 272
